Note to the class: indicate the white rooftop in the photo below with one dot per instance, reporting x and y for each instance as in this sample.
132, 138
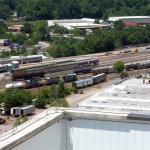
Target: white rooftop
76, 23
127, 17
130, 95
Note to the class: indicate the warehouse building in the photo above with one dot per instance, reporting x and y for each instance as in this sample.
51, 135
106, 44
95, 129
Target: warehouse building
84, 23
132, 20
75, 129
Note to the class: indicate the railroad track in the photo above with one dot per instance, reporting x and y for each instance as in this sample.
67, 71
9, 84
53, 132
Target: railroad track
126, 60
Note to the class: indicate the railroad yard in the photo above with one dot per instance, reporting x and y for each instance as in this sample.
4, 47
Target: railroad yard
51, 69
85, 72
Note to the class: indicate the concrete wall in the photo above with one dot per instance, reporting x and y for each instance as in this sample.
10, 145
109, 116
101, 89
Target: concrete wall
49, 139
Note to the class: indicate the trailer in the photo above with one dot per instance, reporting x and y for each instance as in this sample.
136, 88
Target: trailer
27, 110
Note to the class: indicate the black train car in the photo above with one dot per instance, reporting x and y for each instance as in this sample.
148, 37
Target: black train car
70, 77
83, 70
52, 80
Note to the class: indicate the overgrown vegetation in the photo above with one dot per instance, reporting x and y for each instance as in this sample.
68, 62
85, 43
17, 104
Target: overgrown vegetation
52, 95
119, 66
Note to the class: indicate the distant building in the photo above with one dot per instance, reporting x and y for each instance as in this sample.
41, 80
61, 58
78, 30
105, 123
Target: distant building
16, 28
132, 20
84, 23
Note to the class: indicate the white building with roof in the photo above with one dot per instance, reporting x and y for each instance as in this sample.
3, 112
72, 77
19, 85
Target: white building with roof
84, 23
116, 18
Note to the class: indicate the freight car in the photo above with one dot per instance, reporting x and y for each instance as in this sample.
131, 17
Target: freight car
70, 77
89, 81
82, 70
3, 68
99, 78
31, 59
107, 70
83, 83
87, 62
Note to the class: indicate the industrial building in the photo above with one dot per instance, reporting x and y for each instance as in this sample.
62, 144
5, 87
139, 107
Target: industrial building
75, 129
128, 95
118, 118
84, 23
132, 20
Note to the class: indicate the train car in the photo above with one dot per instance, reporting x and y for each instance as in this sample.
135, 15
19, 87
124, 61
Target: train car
82, 83
100, 70
16, 85
83, 70
33, 83
60, 67
132, 66
52, 80
87, 62
31, 59
3, 68
70, 77
83, 63
94, 62
99, 78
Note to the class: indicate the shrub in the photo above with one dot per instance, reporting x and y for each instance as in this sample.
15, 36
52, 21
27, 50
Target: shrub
119, 66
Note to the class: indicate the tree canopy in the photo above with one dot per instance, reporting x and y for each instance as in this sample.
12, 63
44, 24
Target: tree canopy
56, 9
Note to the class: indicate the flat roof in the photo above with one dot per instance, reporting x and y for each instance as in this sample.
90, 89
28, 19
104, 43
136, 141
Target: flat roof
130, 95
127, 17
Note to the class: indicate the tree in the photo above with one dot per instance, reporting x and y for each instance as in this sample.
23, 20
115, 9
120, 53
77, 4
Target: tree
119, 66
40, 102
16, 97
61, 89
28, 27
40, 30
119, 25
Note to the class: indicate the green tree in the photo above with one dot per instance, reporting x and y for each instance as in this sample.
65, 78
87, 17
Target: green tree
16, 97
119, 25
40, 102
28, 27
119, 66
61, 89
